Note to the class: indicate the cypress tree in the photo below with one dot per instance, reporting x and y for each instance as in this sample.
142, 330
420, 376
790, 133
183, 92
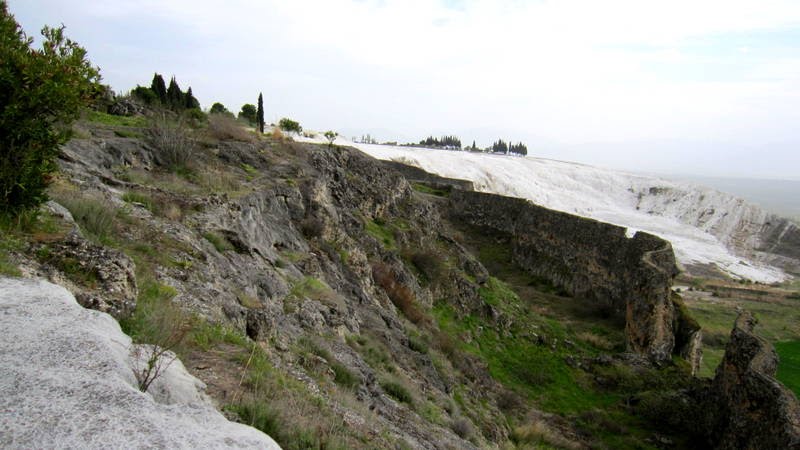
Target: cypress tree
160, 88
174, 95
260, 114
189, 101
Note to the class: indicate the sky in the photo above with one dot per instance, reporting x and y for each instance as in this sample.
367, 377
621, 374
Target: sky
701, 87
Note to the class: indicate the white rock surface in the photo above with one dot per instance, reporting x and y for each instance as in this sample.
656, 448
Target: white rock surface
704, 225
66, 381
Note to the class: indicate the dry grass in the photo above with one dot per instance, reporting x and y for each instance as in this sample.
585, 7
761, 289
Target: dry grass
224, 127
402, 297
595, 340
539, 432
277, 134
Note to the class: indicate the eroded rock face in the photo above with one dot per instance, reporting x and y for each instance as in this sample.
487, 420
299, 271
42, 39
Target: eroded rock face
751, 409
108, 275
629, 277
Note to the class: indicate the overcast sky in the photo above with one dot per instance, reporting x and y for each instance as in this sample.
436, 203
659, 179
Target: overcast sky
699, 87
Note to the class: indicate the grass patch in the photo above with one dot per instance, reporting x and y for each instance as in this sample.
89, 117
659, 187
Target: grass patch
140, 198
115, 121
380, 231
344, 377
789, 365
205, 336
8, 245
95, 217
425, 189
397, 391
218, 241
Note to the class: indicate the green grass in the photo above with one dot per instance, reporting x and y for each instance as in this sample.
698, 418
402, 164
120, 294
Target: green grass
95, 217
381, 232
139, 197
789, 366
425, 189
116, 121
397, 391
778, 321
218, 241
344, 376
8, 244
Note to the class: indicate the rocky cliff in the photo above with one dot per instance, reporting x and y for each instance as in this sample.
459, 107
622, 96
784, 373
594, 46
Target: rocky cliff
592, 260
335, 303
749, 408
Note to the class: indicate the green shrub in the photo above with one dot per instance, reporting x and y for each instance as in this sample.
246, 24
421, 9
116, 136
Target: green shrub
290, 125
41, 93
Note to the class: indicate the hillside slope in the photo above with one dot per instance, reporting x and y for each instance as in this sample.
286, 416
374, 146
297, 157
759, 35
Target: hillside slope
705, 226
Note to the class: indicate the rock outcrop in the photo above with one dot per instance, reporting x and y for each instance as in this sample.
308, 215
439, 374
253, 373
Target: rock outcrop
748, 407
67, 381
630, 277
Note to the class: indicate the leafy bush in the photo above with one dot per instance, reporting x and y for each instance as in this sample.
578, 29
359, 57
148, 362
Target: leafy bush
248, 113
290, 126
41, 92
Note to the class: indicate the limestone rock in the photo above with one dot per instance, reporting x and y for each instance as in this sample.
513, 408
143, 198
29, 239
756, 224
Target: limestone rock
752, 409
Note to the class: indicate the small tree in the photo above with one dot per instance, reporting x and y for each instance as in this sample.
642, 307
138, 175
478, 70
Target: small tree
260, 114
290, 125
159, 87
331, 136
174, 95
248, 113
218, 108
41, 92
189, 102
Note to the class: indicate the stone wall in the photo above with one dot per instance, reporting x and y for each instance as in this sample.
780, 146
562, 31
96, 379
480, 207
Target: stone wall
595, 261
417, 175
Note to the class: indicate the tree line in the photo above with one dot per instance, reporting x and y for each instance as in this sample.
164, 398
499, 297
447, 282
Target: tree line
170, 97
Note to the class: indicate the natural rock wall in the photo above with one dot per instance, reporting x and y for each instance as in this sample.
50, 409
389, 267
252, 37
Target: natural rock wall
592, 260
417, 175
749, 408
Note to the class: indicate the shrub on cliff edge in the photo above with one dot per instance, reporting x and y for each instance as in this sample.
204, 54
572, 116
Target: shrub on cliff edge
41, 92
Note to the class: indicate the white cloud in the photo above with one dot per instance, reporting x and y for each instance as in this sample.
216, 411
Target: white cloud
567, 71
